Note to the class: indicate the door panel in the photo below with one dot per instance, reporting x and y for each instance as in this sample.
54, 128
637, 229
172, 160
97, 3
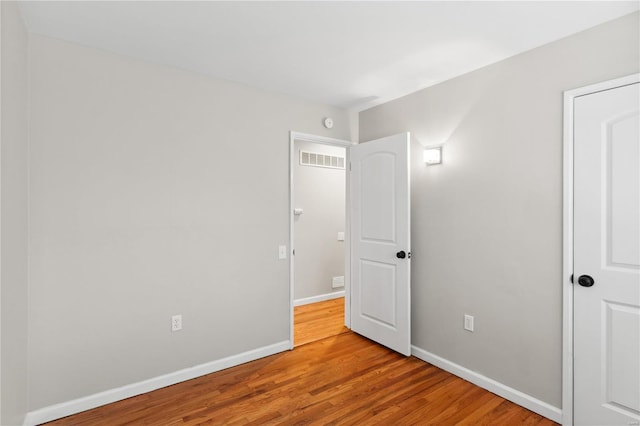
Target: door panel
378, 292
621, 165
381, 299
378, 197
607, 248
621, 361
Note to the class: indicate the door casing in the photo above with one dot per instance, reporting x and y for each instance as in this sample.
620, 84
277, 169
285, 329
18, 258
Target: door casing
304, 137
567, 236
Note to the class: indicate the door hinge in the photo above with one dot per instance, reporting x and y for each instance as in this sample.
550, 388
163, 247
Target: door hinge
349, 165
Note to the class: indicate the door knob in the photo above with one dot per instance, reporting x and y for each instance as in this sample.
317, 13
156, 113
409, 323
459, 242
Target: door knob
586, 281
401, 254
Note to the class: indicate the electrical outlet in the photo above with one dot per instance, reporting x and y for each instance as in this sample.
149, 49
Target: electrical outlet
468, 323
176, 323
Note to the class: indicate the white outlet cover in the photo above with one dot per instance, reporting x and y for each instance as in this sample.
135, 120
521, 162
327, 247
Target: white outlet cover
176, 322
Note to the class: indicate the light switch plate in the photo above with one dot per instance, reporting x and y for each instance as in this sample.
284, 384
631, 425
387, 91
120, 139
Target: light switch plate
337, 282
282, 252
468, 323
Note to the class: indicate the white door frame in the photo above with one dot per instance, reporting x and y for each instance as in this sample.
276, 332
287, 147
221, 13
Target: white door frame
567, 236
304, 137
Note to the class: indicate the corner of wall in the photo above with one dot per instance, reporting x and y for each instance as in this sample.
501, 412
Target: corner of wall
354, 125
1, 7
13, 193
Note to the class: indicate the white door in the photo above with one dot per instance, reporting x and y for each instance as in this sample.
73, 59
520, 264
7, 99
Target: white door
380, 242
607, 257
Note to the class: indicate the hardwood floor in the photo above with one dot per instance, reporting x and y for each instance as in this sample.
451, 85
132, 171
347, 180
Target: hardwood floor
317, 321
343, 379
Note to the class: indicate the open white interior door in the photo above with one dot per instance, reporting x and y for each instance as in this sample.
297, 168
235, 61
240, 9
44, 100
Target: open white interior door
607, 257
380, 242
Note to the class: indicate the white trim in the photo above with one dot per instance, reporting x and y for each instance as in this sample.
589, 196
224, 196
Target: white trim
1, 218
513, 395
567, 236
319, 298
305, 137
112, 395
567, 263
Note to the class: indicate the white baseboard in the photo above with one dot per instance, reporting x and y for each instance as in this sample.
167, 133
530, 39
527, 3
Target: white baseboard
320, 298
68, 408
513, 395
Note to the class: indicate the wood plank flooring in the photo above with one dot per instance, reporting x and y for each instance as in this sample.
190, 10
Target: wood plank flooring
343, 379
317, 321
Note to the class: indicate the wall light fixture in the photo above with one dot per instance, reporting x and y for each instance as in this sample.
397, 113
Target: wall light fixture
433, 155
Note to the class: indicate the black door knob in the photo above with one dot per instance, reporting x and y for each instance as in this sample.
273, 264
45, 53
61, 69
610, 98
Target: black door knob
586, 281
401, 254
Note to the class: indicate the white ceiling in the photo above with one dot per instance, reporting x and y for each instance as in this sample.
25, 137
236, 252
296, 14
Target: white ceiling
348, 54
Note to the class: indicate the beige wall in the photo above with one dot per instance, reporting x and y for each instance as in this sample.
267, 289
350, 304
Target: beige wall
320, 192
486, 226
13, 225
154, 191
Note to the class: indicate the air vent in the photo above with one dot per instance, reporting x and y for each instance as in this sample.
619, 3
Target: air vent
321, 160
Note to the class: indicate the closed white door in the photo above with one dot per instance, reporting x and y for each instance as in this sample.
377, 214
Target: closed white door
380, 242
607, 257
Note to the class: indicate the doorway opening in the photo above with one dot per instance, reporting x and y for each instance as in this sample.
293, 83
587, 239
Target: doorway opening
319, 237
318, 320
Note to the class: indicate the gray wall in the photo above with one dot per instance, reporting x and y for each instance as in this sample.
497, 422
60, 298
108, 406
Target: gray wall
13, 225
486, 224
153, 191
321, 193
